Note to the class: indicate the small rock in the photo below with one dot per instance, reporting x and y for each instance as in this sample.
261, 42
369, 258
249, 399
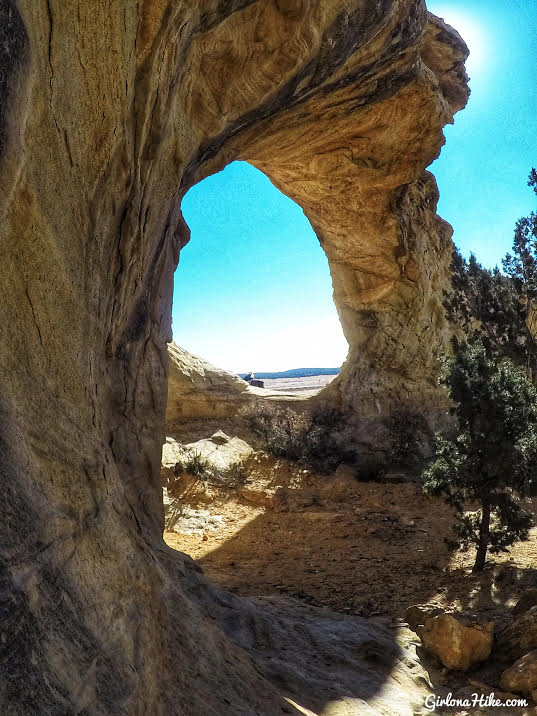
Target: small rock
522, 676
519, 637
220, 438
458, 641
417, 615
485, 689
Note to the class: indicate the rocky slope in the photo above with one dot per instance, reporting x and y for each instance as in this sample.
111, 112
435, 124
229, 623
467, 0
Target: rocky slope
109, 114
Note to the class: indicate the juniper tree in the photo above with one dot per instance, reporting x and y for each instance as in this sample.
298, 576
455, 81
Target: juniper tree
487, 305
492, 458
521, 266
497, 307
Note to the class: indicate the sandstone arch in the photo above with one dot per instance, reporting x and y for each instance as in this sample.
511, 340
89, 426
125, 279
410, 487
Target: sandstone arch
359, 177
109, 114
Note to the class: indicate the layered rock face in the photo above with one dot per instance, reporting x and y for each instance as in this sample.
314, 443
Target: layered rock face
197, 389
353, 158
109, 114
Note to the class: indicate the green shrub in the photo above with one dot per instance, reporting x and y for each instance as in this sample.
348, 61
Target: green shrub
409, 438
492, 458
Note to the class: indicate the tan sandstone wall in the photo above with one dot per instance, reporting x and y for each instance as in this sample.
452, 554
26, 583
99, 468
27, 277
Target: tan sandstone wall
109, 113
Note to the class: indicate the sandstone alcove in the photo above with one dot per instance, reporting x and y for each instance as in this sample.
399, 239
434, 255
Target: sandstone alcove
258, 284
107, 118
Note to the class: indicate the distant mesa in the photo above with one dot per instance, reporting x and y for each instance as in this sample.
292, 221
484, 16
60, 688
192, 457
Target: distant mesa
294, 373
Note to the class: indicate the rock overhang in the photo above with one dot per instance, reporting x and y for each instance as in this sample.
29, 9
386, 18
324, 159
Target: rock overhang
119, 110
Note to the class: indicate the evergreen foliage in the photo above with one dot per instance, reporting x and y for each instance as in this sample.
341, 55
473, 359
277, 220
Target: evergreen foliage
500, 308
408, 433
492, 460
521, 266
488, 305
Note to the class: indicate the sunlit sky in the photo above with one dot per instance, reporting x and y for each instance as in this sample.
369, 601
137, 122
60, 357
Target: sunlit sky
258, 288
253, 290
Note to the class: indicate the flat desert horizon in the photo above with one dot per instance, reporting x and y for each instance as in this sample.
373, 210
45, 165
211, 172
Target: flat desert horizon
297, 385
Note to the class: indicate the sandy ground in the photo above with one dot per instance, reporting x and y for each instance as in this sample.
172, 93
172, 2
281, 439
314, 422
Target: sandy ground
297, 385
357, 547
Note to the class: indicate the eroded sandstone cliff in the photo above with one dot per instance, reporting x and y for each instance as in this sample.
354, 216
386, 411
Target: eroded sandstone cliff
109, 113
197, 389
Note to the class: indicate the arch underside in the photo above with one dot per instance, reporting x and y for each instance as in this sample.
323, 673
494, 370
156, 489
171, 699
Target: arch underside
355, 163
108, 117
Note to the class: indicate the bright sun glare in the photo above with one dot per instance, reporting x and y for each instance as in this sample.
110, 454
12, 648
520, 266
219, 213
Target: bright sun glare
470, 30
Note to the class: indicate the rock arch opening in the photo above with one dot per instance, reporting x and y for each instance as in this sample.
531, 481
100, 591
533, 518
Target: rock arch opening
342, 105
259, 288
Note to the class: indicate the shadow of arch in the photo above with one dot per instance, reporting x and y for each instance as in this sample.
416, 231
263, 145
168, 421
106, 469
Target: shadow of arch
313, 657
301, 578
319, 550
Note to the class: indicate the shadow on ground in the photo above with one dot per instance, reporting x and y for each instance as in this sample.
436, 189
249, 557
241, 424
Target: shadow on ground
358, 549
376, 551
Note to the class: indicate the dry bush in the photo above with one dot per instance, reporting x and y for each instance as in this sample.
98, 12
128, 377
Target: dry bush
308, 439
234, 475
196, 465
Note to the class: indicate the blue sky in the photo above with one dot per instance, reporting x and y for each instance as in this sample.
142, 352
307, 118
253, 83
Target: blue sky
483, 169
258, 286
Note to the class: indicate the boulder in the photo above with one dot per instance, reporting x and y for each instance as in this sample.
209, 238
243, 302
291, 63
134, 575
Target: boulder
221, 453
417, 615
220, 438
457, 640
527, 600
221, 460
174, 456
522, 676
197, 389
519, 637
